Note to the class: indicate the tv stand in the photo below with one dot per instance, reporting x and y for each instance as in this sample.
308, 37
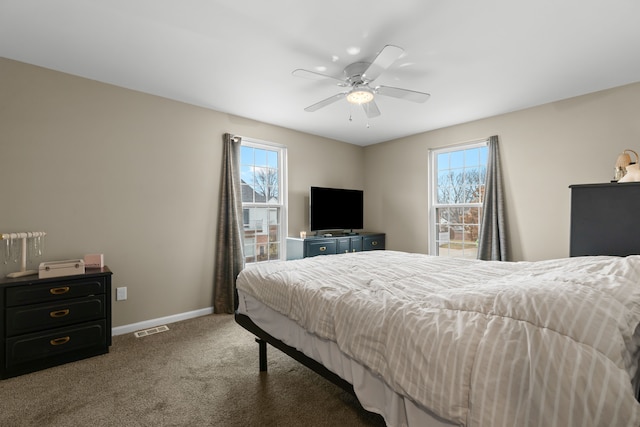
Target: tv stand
336, 244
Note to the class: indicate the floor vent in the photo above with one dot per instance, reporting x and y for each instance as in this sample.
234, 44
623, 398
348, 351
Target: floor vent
151, 331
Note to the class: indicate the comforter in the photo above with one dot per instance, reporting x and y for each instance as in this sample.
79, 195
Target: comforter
549, 343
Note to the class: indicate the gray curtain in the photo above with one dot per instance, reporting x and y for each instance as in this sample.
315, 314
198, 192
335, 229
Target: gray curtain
492, 243
229, 258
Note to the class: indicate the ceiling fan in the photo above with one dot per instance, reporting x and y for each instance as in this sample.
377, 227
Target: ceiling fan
358, 77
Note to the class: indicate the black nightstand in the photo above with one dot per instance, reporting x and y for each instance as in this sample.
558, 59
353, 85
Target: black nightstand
48, 322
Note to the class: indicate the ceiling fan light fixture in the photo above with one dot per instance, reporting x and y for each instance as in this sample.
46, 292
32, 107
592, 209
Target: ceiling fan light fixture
360, 96
358, 79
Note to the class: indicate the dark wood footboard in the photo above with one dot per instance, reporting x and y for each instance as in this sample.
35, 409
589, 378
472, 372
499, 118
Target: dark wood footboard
263, 338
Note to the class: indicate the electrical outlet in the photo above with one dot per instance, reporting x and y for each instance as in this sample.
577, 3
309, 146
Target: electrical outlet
121, 293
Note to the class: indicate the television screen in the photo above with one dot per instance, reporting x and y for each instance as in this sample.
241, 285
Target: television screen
335, 209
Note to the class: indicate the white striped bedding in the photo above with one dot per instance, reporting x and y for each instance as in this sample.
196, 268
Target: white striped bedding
548, 343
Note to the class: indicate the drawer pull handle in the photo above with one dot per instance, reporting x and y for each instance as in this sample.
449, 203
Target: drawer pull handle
323, 248
374, 243
59, 313
59, 291
60, 341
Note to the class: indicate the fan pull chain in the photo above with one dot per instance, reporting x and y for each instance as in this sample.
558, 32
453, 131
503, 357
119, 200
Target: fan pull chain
351, 117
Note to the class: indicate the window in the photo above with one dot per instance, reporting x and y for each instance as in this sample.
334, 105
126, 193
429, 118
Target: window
456, 196
263, 176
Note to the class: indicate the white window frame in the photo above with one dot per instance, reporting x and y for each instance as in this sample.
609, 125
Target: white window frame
282, 189
433, 177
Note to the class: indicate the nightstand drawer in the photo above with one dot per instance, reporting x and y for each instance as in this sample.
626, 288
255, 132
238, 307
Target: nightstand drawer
39, 317
55, 291
31, 347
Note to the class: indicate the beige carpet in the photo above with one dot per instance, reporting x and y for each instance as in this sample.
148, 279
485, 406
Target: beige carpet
202, 372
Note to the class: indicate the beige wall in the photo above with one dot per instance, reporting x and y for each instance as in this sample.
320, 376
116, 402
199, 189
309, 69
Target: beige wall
108, 170
136, 177
544, 150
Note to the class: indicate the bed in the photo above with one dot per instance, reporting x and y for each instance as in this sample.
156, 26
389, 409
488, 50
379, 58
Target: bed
549, 343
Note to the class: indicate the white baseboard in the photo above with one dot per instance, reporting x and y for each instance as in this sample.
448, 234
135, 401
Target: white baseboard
125, 329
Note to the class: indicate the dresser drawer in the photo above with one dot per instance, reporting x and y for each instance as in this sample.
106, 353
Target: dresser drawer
54, 291
349, 244
374, 242
320, 247
39, 317
32, 347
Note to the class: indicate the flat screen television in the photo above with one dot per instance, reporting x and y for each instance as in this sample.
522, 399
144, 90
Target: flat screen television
335, 209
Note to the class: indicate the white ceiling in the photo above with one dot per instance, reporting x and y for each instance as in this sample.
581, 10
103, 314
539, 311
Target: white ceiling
476, 58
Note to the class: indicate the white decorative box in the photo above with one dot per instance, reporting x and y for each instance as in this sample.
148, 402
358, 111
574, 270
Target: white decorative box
61, 268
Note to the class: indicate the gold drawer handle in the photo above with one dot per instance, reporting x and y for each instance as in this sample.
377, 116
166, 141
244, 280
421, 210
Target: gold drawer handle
60, 341
59, 313
59, 291
323, 248
374, 243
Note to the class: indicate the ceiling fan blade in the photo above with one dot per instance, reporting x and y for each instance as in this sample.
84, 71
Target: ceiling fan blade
325, 102
371, 109
396, 92
312, 75
387, 56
